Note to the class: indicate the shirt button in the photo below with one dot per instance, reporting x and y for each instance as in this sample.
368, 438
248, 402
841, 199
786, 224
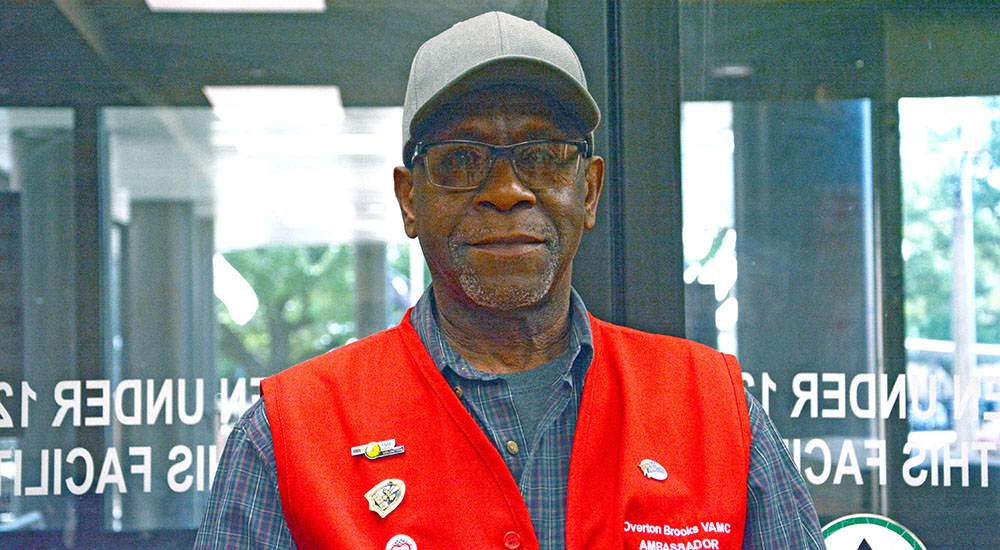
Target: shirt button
458, 392
512, 540
512, 448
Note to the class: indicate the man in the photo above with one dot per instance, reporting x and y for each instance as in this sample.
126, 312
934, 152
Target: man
499, 414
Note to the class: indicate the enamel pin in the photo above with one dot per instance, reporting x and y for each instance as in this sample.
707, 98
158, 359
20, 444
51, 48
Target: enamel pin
401, 542
653, 470
386, 496
377, 449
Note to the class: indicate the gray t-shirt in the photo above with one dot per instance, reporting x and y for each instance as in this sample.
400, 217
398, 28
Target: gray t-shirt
531, 391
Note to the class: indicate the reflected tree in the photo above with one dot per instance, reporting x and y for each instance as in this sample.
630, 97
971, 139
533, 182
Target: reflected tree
930, 209
305, 307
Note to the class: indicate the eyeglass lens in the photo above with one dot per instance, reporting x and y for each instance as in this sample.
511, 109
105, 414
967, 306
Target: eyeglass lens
537, 165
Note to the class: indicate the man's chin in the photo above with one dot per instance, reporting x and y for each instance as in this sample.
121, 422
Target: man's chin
505, 295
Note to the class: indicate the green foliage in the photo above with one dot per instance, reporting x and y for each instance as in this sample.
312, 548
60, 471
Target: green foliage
987, 230
928, 213
928, 268
306, 307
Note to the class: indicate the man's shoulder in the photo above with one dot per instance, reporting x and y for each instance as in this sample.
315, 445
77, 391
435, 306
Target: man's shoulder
253, 429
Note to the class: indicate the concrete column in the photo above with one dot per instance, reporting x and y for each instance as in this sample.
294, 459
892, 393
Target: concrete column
11, 281
369, 287
43, 172
167, 333
803, 192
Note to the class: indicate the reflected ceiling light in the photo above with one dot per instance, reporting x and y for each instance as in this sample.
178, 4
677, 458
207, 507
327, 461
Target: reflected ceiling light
732, 71
298, 106
235, 6
317, 144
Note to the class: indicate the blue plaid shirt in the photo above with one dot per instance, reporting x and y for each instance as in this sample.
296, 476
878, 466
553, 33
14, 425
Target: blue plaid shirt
244, 509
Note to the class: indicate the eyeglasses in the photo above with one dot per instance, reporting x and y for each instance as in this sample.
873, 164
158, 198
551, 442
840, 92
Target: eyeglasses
461, 165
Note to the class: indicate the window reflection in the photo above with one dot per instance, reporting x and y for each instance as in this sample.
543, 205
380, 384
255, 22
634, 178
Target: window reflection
779, 269
37, 301
245, 239
950, 151
709, 231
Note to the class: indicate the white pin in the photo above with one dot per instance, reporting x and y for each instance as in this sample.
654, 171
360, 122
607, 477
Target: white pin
377, 449
653, 470
400, 542
386, 496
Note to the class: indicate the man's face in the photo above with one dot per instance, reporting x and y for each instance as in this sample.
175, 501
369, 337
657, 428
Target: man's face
501, 246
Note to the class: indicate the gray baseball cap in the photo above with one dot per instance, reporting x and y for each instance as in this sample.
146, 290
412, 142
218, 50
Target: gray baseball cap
487, 50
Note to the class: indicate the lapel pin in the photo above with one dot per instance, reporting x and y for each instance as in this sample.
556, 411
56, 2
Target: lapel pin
386, 496
401, 542
377, 449
653, 470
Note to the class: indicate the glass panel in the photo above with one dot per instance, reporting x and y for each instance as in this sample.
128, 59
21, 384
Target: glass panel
709, 229
801, 309
950, 160
37, 320
779, 269
244, 239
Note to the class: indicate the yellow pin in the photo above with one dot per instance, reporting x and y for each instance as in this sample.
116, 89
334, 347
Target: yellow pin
377, 449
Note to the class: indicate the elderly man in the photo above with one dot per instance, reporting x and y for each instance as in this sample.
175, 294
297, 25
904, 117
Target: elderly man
499, 414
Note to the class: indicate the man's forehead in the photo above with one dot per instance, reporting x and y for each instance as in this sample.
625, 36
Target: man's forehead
525, 109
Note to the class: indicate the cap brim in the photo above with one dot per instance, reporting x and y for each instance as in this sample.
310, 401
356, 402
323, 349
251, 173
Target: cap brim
515, 70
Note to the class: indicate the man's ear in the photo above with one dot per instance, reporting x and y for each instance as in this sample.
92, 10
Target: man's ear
403, 178
595, 182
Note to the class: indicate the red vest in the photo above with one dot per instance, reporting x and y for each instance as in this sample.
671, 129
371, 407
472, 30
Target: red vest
646, 396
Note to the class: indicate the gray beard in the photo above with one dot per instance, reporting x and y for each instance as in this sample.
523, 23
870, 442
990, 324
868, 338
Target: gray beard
506, 298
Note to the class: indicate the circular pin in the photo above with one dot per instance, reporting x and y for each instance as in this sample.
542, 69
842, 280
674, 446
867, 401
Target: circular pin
372, 450
653, 470
400, 542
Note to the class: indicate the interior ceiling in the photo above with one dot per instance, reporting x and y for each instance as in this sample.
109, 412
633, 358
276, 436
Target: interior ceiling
69, 52
118, 52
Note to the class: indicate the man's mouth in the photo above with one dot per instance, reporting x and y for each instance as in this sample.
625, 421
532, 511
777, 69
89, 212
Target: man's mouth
508, 245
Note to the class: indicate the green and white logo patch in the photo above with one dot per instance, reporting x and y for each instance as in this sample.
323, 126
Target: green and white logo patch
869, 532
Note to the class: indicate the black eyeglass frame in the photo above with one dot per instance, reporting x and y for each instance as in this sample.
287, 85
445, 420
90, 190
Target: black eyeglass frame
496, 152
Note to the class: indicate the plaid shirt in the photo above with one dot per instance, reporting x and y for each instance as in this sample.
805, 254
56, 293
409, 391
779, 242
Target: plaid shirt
244, 509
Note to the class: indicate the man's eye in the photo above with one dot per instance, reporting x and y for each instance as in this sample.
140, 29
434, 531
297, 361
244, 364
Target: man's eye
462, 158
536, 156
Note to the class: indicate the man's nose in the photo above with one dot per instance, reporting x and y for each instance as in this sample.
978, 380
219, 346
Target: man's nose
502, 189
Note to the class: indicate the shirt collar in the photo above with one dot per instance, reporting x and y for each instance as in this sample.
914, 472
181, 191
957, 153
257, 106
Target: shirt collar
424, 320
